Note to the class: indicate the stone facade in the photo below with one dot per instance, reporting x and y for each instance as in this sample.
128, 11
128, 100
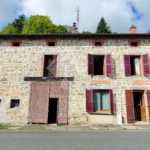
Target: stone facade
25, 61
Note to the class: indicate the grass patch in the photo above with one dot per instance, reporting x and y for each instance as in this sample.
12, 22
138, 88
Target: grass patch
124, 128
107, 129
59, 125
3, 127
41, 128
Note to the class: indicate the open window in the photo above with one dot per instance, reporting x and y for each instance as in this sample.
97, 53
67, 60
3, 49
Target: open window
50, 65
16, 43
133, 65
99, 64
134, 43
99, 101
98, 43
51, 43
14, 103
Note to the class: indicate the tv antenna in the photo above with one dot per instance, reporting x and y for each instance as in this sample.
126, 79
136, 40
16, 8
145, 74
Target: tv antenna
78, 17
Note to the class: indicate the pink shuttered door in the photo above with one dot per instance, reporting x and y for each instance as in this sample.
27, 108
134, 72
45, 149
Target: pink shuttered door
145, 61
148, 102
129, 106
39, 100
111, 101
127, 65
108, 59
90, 65
89, 101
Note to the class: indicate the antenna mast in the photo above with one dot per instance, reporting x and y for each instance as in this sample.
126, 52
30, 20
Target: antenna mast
78, 17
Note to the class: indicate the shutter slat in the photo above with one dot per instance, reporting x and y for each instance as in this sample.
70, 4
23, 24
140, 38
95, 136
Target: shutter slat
129, 106
127, 65
148, 103
89, 101
145, 61
90, 64
111, 101
108, 59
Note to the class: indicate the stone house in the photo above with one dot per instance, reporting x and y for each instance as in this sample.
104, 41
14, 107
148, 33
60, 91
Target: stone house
74, 78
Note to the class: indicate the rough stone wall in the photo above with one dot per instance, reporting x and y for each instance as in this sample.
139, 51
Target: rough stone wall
16, 63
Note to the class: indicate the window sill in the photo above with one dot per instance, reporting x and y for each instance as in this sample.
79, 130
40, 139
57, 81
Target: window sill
100, 113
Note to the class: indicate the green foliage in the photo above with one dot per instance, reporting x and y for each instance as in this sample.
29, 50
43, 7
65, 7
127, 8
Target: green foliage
59, 125
3, 127
102, 27
8, 29
86, 32
42, 24
149, 32
115, 33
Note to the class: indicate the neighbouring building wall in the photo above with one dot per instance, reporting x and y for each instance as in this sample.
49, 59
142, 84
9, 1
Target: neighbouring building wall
16, 63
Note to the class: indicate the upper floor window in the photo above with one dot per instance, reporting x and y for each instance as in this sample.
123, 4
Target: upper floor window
99, 64
16, 43
98, 44
133, 65
134, 43
15, 103
51, 43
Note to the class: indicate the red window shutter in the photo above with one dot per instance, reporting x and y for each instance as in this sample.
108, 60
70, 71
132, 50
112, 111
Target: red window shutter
148, 102
108, 64
129, 106
111, 101
89, 101
90, 65
146, 68
127, 65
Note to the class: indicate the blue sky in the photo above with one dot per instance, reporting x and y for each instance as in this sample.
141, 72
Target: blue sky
119, 14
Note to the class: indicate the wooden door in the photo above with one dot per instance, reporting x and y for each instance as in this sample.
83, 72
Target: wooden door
142, 107
39, 100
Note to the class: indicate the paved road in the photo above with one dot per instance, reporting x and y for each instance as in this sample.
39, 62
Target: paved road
74, 140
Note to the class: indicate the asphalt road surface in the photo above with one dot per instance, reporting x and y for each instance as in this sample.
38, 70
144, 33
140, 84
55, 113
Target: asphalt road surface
74, 140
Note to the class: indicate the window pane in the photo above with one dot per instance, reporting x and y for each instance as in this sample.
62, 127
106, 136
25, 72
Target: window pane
97, 44
137, 67
105, 100
96, 104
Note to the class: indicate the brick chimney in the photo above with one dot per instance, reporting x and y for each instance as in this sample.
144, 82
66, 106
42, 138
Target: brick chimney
74, 28
132, 29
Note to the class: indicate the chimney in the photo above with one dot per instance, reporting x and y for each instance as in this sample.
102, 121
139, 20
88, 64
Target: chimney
132, 29
74, 28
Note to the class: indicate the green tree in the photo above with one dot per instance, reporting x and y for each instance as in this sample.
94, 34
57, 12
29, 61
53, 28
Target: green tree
86, 32
103, 27
18, 23
8, 29
149, 32
42, 24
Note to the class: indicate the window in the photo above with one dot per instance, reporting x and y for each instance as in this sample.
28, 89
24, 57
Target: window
99, 64
133, 65
15, 103
0, 101
134, 43
99, 101
50, 65
16, 43
51, 43
98, 43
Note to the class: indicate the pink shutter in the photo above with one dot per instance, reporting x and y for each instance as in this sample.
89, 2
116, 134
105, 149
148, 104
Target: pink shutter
148, 103
89, 101
127, 65
108, 64
90, 65
111, 101
145, 61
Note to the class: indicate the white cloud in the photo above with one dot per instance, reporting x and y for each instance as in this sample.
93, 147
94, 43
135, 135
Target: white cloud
117, 13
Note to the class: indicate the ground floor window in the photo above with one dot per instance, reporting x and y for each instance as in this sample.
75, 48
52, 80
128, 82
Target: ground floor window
101, 101
15, 103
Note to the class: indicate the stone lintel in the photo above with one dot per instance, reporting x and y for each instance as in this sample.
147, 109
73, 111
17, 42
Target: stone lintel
48, 79
138, 88
100, 87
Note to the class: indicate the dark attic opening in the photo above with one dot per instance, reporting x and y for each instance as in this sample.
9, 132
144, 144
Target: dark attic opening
98, 65
16, 44
98, 44
51, 44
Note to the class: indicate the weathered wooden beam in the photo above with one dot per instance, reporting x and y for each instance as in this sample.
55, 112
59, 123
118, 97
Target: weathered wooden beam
48, 79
